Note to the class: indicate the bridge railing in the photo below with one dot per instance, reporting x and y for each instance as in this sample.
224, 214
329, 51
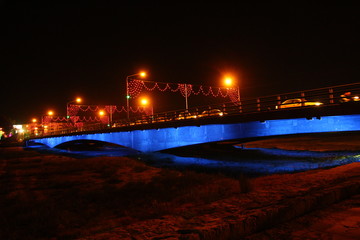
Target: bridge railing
327, 96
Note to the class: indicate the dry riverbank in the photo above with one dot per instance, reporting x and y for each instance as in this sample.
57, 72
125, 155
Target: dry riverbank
342, 141
60, 197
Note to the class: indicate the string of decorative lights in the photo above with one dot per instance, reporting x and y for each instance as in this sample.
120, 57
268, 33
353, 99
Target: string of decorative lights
74, 109
90, 119
136, 86
49, 119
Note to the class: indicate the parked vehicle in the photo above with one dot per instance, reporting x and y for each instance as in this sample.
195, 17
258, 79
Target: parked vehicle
186, 115
349, 97
212, 112
297, 102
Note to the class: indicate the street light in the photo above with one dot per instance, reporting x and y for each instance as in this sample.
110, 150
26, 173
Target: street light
33, 127
141, 74
145, 102
77, 100
49, 115
102, 114
229, 82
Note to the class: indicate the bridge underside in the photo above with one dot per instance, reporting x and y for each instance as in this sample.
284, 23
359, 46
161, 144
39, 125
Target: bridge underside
164, 138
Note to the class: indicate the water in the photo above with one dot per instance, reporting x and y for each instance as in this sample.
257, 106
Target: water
88, 150
228, 159
257, 161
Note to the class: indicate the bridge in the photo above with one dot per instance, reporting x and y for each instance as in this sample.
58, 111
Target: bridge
317, 110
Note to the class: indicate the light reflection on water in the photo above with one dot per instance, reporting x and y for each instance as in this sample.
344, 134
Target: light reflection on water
275, 161
246, 161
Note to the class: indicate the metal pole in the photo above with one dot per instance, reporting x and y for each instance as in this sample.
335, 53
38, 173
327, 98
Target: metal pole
186, 98
67, 110
111, 115
67, 115
127, 97
239, 93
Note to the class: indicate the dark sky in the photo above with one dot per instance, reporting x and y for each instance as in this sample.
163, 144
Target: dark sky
54, 52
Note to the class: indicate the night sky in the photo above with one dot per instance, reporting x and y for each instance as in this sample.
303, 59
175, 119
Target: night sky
52, 53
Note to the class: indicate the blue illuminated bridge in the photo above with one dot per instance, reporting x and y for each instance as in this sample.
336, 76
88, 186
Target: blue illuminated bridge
248, 119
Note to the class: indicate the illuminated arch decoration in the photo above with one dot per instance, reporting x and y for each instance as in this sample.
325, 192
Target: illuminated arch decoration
186, 90
75, 109
53, 119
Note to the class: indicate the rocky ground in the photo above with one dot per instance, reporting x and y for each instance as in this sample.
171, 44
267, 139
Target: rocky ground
59, 197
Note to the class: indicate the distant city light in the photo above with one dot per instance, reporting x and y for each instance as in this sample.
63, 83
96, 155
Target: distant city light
18, 128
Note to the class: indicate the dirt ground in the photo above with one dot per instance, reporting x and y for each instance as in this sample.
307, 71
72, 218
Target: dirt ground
58, 197
348, 141
340, 221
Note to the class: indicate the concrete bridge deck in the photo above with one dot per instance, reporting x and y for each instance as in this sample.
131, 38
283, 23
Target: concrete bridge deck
164, 135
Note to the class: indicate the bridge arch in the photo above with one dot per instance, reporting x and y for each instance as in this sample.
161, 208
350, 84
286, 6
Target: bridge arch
157, 139
87, 144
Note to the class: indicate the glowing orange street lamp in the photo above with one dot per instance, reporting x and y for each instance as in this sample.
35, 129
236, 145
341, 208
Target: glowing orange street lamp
141, 74
50, 113
77, 100
229, 82
145, 102
34, 120
102, 113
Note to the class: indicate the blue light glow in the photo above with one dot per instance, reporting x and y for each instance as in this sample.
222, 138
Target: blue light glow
271, 161
165, 138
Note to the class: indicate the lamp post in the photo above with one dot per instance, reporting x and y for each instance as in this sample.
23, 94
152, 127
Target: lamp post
102, 114
33, 129
229, 82
77, 100
50, 113
145, 102
186, 98
110, 114
141, 74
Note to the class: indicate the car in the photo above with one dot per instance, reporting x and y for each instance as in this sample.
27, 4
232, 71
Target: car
297, 102
349, 97
186, 115
212, 112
